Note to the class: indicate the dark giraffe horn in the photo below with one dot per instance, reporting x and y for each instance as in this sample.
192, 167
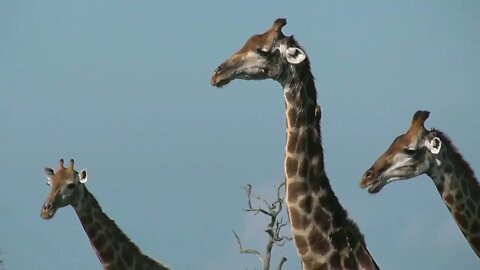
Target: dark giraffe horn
278, 24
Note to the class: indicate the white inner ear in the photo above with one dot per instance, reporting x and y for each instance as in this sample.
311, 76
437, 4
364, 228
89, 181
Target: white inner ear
49, 172
434, 145
82, 175
295, 55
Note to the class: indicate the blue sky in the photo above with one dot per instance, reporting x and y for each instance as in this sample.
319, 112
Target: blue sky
123, 87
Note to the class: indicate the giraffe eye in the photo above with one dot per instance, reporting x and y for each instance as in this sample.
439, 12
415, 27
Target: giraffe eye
71, 186
410, 151
262, 52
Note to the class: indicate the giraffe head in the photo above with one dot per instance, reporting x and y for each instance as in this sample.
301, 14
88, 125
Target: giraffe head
269, 55
66, 187
411, 154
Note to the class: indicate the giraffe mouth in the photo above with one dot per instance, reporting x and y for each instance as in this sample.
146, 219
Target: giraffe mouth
223, 76
374, 184
375, 187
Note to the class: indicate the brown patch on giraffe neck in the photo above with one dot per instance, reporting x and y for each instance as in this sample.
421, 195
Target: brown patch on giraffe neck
475, 227
127, 257
318, 243
298, 220
475, 242
350, 262
335, 261
301, 243
291, 167
294, 190
322, 219
449, 199
339, 239
306, 204
292, 143
461, 220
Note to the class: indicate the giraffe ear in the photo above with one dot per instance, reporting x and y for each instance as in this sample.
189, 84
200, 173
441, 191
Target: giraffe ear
82, 175
49, 172
295, 55
434, 145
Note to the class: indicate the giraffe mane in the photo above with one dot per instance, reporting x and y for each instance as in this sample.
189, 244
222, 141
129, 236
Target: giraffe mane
457, 157
118, 233
113, 226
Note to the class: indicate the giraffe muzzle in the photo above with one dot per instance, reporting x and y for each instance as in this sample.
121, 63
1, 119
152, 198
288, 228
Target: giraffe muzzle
371, 180
220, 77
48, 211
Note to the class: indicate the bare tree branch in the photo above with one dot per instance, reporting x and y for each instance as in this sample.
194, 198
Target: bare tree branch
274, 226
247, 250
282, 261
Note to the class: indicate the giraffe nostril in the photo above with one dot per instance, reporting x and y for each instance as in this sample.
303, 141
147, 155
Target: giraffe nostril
219, 68
47, 206
368, 174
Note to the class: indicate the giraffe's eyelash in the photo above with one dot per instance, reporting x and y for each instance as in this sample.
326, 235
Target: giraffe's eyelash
71, 186
262, 52
410, 151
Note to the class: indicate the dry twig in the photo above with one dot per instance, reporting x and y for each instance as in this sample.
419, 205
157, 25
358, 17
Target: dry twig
274, 227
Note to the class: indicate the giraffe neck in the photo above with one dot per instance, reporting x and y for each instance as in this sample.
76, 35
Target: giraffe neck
323, 234
460, 191
113, 248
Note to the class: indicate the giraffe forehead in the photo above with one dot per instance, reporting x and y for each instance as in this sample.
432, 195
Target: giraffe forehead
265, 40
63, 175
401, 142
256, 41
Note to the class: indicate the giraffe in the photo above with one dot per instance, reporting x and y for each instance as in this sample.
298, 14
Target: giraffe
422, 151
324, 236
113, 248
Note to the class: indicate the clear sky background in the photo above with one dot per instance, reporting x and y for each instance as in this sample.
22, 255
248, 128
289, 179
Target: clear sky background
123, 87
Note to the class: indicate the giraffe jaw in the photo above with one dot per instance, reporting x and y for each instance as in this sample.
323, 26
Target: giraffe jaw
223, 76
375, 185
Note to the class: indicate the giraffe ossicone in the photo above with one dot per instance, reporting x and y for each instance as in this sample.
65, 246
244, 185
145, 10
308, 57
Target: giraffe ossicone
324, 236
422, 151
113, 248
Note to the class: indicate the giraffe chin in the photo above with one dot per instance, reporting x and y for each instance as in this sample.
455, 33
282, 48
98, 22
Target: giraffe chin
47, 214
374, 184
222, 78
219, 81
376, 187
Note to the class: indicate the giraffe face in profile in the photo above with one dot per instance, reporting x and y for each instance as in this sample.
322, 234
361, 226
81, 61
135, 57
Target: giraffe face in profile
411, 154
65, 186
264, 56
